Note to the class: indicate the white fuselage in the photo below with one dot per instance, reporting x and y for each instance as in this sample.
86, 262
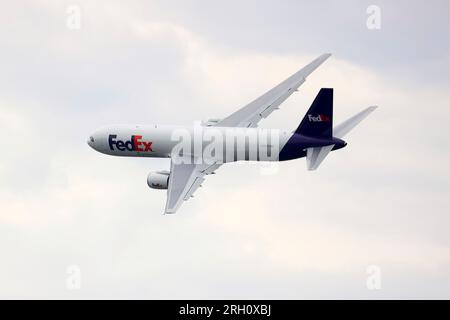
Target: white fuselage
163, 141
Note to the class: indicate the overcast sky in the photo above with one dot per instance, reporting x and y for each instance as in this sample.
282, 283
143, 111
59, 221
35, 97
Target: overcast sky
379, 207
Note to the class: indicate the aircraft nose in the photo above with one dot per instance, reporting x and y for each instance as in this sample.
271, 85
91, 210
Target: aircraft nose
90, 141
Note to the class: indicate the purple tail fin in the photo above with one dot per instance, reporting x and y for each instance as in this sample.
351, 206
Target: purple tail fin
318, 121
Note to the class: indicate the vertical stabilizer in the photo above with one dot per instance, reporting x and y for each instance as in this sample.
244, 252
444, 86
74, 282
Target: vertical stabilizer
318, 121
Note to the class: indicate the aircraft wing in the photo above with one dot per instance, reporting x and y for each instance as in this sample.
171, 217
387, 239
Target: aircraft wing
184, 180
251, 114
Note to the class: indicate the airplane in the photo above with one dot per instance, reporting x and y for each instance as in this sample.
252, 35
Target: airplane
314, 138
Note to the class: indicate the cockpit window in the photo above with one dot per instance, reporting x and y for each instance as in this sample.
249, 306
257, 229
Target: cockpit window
91, 138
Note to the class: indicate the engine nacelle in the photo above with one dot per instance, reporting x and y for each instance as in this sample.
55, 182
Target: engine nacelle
158, 180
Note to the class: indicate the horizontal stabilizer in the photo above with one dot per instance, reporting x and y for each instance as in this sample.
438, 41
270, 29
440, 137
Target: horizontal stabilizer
315, 156
345, 127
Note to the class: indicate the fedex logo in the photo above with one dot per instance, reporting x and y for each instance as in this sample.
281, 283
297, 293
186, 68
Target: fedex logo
319, 118
134, 144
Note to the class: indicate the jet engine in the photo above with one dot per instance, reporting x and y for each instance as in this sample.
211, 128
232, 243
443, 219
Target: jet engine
158, 180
